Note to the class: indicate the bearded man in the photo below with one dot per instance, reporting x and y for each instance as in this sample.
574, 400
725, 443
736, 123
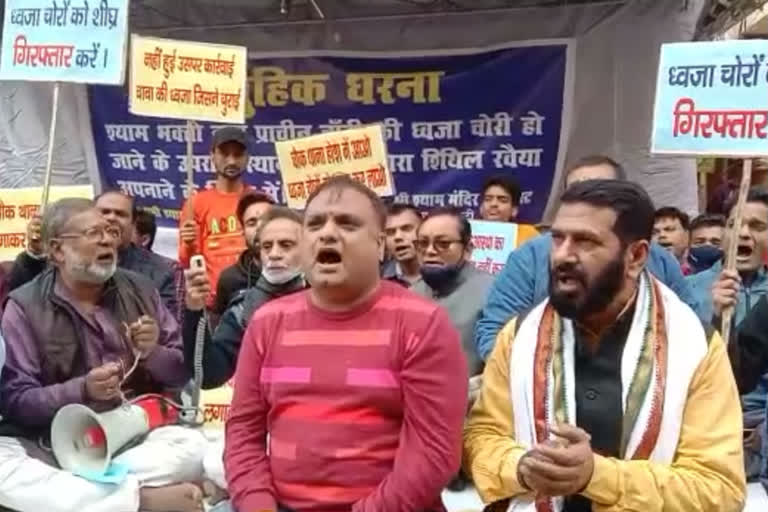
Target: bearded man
86, 332
619, 400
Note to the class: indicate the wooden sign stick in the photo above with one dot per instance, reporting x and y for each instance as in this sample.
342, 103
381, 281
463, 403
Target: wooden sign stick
733, 239
51, 140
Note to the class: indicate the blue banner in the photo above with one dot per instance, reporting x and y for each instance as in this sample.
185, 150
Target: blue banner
452, 120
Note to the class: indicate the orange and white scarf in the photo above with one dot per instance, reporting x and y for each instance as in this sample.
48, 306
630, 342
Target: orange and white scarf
658, 362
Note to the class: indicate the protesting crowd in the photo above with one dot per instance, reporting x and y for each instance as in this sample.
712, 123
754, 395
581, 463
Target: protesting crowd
374, 366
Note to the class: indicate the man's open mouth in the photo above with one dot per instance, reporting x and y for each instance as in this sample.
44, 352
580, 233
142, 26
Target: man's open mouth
328, 256
105, 258
744, 251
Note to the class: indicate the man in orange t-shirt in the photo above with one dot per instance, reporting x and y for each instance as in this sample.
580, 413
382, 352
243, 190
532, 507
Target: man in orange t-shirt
210, 226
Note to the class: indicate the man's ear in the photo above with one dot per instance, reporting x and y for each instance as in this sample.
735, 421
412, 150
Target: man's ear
381, 243
636, 257
54, 252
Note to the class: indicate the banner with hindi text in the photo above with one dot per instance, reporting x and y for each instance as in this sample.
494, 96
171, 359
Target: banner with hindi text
187, 80
712, 99
451, 120
358, 152
64, 40
18, 205
491, 244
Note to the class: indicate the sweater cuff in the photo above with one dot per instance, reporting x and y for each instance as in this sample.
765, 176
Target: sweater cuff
257, 502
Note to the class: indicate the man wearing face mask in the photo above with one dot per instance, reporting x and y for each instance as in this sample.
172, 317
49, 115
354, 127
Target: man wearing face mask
210, 227
244, 274
707, 231
444, 244
279, 238
72, 334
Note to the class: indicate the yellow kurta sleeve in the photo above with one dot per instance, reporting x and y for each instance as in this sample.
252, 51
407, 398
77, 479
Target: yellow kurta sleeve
490, 451
525, 232
707, 474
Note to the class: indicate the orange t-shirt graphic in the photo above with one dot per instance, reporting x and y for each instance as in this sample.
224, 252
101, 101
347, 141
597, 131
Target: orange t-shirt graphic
219, 233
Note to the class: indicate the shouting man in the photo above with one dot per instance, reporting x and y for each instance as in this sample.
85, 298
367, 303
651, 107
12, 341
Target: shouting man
72, 333
402, 223
360, 384
609, 395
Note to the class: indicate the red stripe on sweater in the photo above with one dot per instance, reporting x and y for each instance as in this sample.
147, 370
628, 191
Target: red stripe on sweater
331, 413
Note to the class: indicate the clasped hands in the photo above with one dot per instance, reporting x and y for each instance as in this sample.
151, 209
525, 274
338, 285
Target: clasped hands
559, 467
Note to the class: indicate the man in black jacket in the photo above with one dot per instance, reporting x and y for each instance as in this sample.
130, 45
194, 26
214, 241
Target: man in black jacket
279, 238
118, 210
749, 360
244, 274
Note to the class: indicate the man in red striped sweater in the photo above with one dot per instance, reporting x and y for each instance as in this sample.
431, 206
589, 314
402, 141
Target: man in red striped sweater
360, 384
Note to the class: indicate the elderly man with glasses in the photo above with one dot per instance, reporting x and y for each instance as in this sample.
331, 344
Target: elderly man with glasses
86, 332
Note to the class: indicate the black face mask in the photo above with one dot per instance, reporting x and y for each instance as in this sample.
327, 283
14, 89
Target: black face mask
441, 277
702, 258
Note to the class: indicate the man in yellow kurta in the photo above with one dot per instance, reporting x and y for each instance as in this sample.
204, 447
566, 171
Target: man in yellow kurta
609, 396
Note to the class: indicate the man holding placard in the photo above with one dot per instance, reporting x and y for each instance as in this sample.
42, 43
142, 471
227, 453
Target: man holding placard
718, 289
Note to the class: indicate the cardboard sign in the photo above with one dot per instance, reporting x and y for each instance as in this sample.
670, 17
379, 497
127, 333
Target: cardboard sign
308, 162
215, 404
187, 80
712, 99
64, 40
18, 205
492, 242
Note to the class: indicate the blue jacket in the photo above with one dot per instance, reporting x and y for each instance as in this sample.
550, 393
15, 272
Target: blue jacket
524, 282
701, 287
749, 295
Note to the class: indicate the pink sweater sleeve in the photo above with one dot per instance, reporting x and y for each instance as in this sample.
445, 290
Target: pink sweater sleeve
249, 477
434, 384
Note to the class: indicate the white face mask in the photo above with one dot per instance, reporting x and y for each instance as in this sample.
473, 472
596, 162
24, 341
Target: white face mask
279, 276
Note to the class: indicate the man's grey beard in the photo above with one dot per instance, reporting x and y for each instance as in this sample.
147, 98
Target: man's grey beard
90, 273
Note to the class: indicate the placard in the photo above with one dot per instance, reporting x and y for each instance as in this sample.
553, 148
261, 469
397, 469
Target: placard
187, 80
712, 99
215, 404
19, 205
64, 41
308, 162
492, 242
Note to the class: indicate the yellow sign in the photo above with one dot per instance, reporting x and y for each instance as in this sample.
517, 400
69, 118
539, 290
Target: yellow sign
308, 162
18, 205
188, 80
215, 404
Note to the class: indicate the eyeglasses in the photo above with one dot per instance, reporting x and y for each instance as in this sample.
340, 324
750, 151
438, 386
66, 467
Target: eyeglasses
95, 234
440, 244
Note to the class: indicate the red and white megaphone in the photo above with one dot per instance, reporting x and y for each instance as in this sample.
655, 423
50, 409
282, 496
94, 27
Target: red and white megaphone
86, 440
